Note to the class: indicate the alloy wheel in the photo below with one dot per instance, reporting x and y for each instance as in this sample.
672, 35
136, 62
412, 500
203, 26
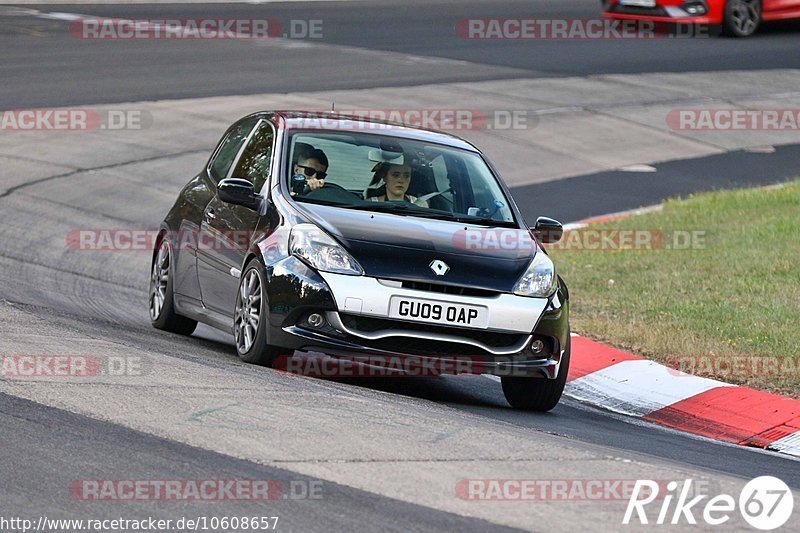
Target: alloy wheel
248, 311
745, 15
159, 278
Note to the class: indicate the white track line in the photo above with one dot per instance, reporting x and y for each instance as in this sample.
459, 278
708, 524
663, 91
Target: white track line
638, 388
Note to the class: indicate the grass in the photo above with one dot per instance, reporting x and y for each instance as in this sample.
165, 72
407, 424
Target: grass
727, 308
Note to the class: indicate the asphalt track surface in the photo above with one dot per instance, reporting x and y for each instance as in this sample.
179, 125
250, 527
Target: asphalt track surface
581, 197
93, 72
51, 446
90, 442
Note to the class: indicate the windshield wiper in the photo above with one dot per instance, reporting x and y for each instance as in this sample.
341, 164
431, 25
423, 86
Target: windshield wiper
319, 201
484, 220
387, 207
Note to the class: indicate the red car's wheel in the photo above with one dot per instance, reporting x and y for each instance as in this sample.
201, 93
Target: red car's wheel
741, 17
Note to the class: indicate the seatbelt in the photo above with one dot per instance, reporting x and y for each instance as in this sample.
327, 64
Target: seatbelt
430, 195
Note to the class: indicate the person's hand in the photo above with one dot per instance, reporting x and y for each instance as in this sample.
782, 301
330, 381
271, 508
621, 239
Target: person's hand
314, 183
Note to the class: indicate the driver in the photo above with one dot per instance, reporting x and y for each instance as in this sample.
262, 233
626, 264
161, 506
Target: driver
313, 164
397, 179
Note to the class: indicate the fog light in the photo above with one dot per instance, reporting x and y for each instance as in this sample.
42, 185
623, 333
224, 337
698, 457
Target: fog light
695, 7
316, 320
537, 346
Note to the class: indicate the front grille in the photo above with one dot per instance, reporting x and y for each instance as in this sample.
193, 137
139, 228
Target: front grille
490, 338
416, 346
637, 10
449, 289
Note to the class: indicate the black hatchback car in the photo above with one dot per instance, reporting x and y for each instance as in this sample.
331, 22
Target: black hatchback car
337, 234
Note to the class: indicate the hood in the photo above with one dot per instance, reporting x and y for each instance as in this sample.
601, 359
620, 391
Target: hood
401, 247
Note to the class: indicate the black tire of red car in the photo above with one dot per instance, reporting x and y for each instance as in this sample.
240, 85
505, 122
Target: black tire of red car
166, 318
259, 352
537, 394
741, 18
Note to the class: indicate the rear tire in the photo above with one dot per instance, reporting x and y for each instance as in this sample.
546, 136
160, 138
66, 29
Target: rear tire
537, 394
741, 18
251, 319
161, 300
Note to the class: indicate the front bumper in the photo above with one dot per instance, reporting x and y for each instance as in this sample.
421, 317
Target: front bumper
356, 309
673, 12
511, 365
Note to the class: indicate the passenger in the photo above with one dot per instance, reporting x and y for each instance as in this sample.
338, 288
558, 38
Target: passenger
396, 179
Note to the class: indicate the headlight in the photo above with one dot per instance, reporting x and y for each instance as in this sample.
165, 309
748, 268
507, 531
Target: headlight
319, 250
540, 278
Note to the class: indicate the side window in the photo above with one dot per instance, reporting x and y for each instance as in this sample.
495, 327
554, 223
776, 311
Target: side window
440, 173
230, 149
257, 156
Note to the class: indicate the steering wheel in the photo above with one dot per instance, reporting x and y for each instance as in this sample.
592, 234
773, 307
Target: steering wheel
327, 185
332, 192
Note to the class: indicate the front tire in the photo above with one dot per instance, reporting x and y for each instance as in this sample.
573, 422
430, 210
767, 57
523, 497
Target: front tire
537, 394
251, 319
741, 17
161, 301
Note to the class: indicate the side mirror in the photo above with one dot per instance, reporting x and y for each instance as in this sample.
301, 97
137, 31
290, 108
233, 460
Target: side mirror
548, 230
238, 191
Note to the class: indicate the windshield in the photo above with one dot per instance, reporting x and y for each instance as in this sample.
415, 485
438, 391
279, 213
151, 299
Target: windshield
412, 178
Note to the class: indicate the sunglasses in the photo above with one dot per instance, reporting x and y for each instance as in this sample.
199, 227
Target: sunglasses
310, 171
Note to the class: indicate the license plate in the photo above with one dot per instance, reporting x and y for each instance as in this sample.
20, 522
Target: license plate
434, 312
638, 3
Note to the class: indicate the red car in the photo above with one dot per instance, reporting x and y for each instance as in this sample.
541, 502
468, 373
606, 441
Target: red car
738, 18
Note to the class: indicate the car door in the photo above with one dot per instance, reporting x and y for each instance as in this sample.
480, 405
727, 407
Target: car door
777, 6
227, 230
192, 204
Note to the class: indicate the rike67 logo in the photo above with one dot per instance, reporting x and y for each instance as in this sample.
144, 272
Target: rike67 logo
765, 503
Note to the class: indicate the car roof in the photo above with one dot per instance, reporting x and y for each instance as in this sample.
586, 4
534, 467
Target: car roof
329, 121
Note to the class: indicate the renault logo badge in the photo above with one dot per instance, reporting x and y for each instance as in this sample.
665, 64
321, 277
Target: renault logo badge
439, 267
